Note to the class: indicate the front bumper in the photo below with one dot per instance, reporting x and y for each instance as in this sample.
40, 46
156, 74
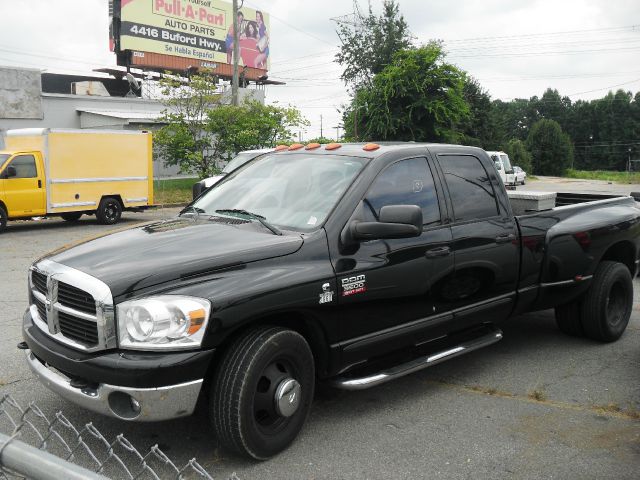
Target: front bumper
125, 403
139, 386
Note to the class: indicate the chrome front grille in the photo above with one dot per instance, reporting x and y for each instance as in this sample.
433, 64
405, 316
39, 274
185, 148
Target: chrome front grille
72, 306
75, 298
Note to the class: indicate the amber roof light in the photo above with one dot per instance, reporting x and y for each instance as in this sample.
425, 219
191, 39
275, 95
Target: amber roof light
333, 146
296, 146
279, 148
369, 147
312, 146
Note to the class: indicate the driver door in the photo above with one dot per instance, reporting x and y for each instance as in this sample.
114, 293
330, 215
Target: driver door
23, 180
388, 297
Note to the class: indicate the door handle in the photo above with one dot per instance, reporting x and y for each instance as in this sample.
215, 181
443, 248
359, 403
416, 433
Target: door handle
505, 238
39, 183
438, 252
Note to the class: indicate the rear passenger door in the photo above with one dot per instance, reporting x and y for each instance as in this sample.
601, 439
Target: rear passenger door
485, 243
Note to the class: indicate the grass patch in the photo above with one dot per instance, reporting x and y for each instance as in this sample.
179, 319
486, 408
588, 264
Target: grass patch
606, 175
173, 191
537, 395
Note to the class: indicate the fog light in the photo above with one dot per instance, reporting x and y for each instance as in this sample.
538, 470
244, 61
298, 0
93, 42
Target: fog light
124, 405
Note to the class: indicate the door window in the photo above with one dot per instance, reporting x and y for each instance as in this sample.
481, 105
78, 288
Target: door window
470, 189
408, 182
25, 166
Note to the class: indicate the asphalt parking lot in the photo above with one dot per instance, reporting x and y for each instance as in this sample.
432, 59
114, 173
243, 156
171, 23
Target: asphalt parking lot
536, 405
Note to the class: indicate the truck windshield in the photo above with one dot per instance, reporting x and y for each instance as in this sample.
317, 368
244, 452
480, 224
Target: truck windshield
3, 159
507, 164
238, 161
292, 191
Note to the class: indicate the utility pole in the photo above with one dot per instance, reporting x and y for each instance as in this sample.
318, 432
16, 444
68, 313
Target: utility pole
321, 126
337, 132
236, 54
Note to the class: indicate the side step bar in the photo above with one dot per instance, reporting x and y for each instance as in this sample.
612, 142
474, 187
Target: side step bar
351, 383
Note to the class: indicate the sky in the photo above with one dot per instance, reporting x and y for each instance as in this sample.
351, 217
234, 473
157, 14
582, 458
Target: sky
514, 48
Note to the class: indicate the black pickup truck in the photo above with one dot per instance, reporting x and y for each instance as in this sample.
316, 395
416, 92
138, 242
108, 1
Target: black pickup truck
344, 264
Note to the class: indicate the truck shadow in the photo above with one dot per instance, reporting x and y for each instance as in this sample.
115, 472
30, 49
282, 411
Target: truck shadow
531, 343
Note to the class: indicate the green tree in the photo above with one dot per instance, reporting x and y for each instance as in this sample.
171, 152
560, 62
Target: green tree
183, 141
518, 154
370, 41
478, 128
250, 126
200, 130
418, 97
551, 149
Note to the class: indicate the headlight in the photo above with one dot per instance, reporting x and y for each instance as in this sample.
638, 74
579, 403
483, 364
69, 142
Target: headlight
162, 322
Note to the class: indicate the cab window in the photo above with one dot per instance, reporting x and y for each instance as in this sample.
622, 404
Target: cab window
470, 188
25, 166
407, 182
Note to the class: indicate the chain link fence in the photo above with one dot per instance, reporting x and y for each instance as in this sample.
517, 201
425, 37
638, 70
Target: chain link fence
36, 447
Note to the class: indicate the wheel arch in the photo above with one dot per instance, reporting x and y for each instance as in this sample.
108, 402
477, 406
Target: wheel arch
623, 252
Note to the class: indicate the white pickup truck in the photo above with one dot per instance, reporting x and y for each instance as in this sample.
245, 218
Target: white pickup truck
503, 165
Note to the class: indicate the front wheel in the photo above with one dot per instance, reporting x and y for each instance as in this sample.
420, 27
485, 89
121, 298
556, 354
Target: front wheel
3, 219
607, 306
109, 211
262, 392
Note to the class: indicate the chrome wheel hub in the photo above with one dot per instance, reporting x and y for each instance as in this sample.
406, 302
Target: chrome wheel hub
287, 397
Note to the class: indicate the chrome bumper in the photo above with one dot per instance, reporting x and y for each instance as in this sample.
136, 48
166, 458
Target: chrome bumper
124, 403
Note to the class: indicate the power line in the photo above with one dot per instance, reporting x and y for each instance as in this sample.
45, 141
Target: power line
604, 88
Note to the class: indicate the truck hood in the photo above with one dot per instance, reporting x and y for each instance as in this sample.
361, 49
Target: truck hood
166, 251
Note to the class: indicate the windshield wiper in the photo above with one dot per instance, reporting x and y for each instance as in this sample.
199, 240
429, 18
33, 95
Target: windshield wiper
193, 209
254, 216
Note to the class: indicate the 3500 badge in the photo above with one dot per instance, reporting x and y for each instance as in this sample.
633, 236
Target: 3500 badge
353, 285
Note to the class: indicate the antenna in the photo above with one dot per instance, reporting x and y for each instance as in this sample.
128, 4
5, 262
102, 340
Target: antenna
134, 85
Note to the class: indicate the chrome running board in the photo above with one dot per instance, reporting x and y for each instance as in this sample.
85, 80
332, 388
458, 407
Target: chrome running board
353, 383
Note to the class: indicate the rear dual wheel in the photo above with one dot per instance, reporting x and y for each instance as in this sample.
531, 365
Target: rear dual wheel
603, 312
262, 392
71, 216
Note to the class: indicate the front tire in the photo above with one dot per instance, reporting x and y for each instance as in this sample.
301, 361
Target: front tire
3, 219
262, 392
109, 211
607, 306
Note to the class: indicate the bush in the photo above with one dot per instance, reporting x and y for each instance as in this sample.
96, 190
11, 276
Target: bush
551, 149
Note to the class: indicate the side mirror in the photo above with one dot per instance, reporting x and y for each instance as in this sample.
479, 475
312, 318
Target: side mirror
396, 221
10, 171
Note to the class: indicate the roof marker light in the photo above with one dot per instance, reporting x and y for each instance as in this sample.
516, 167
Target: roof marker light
296, 146
369, 147
279, 148
312, 146
333, 146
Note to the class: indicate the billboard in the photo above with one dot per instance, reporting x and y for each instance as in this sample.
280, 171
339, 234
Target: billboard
193, 29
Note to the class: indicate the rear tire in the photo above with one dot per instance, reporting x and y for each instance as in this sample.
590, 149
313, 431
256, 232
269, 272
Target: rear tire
3, 219
607, 306
569, 318
71, 216
262, 392
109, 211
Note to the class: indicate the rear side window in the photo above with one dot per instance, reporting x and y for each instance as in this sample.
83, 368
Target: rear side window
470, 189
25, 166
408, 182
